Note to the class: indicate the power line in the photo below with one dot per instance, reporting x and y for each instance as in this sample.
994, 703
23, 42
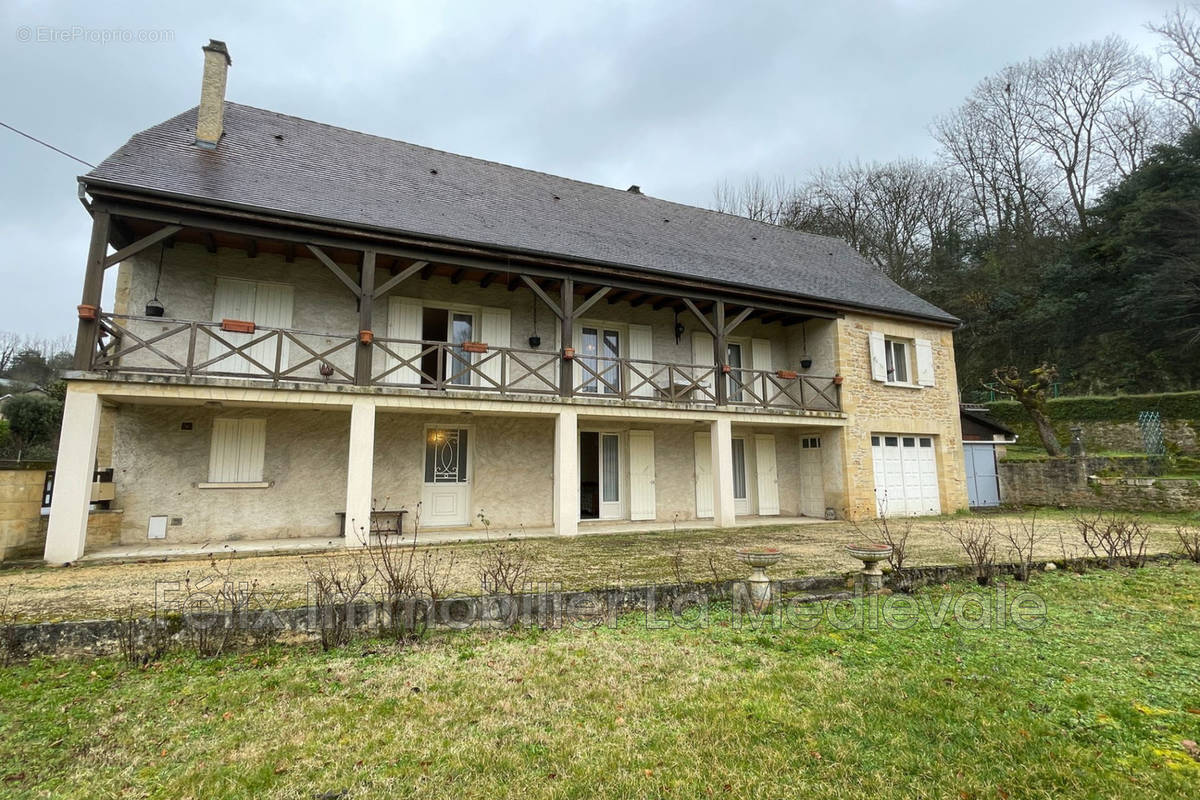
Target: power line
46, 144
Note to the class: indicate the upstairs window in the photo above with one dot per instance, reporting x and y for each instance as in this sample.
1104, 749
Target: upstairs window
896, 358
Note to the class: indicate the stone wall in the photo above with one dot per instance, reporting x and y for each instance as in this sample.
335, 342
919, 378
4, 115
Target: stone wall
874, 407
1070, 482
20, 513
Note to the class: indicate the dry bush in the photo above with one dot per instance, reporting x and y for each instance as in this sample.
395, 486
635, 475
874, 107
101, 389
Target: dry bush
10, 648
395, 567
1023, 539
894, 533
1118, 539
1189, 537
977, 537
505, 565
337, 585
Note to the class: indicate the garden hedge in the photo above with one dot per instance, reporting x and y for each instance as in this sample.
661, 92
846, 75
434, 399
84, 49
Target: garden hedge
1065, 411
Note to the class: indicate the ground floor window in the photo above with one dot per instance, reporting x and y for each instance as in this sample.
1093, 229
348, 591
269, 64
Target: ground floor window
237, 451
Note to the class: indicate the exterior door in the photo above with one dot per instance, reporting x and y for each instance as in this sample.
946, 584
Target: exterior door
905, 475
734, 381
600, 351
767, 474
600, 461
460, 329
642, 501
812, 477
446, 494
983, 479
741, 483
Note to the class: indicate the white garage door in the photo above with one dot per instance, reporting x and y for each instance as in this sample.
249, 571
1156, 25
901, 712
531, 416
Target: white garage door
905, 475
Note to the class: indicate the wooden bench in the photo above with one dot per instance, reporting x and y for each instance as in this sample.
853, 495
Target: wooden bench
383, 523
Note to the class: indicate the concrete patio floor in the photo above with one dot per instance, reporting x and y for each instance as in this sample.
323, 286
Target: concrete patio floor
427, 537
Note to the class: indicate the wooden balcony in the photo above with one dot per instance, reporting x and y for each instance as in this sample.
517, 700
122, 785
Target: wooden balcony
187, 349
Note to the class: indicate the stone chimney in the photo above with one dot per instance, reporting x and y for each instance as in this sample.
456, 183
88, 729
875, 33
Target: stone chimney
210, 117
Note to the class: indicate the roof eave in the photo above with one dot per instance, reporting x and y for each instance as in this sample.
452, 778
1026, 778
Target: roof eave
89, 180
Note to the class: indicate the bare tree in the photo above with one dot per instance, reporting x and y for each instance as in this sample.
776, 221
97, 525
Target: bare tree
758, 199
1133, 126
1030, 392
1072, 89
1175, 77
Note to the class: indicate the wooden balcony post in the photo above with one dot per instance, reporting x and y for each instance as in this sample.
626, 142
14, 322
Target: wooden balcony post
566, 300
720, 353
93, 287
366, 303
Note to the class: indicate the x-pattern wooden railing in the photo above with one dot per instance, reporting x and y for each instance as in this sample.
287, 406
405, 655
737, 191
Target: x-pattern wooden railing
192, 348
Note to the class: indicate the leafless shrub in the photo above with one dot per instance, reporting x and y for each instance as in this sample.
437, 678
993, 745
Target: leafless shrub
139, 650
677, 564
713, 569
395, 564
1023, 538
894, 533
434, 570
337, 584
977, 539
1118, 539
10, 646
1189, 537
505, 565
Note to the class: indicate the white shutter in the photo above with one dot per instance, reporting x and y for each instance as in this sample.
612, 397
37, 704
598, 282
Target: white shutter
760, 355
878, 356
496, 330
702, 355
233, 299
768, 475
237, 450
924, 359
641, 349
642, 504
404, 322
704, 478
272, 309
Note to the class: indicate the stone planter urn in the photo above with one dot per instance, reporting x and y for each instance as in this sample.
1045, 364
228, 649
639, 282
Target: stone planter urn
870, 555
759, 585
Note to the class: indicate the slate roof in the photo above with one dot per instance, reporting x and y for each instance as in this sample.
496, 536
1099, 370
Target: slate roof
297, 167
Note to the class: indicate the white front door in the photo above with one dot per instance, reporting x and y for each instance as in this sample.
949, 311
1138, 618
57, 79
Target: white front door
767, 474
600, 351
905, 475
812, 477
446, 495
741, 483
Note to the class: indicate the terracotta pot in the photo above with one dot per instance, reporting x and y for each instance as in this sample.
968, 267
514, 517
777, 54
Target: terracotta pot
475, 347
87, 311
366, 337
837, 380
788, 374
726, 369
568, 353
237, 326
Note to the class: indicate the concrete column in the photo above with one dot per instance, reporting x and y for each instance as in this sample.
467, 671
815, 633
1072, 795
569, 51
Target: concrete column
73, 477
566, 472
722, 472
360, 472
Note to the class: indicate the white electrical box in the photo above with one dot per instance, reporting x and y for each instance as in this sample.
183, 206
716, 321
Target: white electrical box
158, 528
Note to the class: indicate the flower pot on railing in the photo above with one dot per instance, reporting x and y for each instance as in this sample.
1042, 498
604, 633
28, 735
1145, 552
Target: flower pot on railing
837, 380
87, 312
366, 337
568, 353
787, 374
474, 347
726, 369
237, 326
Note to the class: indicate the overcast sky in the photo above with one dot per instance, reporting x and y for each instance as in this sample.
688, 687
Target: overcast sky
674, 96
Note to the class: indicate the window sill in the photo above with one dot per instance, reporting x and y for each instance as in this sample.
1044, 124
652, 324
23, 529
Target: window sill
237, 485
899, 385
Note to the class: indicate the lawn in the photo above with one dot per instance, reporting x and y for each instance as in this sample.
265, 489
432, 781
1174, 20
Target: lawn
1096, 702
581, 562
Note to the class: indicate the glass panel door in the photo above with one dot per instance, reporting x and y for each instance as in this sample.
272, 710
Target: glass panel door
739, 469
589, 349
458, 366
610, 365
734, 358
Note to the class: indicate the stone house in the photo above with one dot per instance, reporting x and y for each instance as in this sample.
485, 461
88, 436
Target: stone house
314, 325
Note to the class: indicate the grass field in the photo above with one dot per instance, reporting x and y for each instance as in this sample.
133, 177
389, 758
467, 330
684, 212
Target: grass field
1096, 702
581, 562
